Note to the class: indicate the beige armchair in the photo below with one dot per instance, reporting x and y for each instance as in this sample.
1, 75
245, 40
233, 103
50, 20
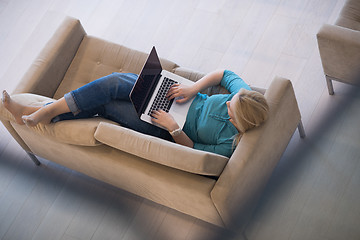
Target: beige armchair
339, 46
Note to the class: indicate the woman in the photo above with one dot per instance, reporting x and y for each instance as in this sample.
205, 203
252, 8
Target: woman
213, 124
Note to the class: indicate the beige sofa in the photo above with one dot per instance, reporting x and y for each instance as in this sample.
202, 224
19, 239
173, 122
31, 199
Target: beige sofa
339, 46
207, 186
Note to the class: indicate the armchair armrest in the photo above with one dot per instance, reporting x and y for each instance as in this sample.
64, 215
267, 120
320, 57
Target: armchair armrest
340, 52
160, 151
50, 66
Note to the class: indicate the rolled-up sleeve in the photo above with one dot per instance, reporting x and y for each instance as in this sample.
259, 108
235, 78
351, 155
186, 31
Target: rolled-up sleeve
232, 82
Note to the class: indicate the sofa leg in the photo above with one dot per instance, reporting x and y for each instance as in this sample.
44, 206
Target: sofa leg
301, 129
329, 85
34, 158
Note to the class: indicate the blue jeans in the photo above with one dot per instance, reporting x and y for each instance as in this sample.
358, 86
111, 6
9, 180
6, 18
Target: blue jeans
108, 97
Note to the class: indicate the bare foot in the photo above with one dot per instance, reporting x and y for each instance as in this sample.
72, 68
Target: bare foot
16, 109
42, 115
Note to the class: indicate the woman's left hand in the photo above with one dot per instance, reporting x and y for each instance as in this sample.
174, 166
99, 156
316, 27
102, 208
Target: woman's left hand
164, 119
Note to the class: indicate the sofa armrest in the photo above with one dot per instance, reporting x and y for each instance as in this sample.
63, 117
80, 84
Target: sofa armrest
340, 52
160, 151
239, 186
48, 69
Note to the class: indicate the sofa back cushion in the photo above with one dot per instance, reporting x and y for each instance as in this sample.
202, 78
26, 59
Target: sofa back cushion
96, 58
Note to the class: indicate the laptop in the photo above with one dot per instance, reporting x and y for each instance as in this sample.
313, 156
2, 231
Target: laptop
150, 89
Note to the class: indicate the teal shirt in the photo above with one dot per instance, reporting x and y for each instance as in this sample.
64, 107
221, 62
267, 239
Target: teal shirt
207, 122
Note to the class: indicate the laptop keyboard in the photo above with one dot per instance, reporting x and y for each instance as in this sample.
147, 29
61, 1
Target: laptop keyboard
160, 101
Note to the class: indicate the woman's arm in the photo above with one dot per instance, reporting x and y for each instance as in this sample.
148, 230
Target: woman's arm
187, 92
184, 140
209, 80
166, 120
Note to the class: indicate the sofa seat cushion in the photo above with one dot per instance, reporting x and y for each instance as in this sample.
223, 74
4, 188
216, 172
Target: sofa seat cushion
76, 132
161, 151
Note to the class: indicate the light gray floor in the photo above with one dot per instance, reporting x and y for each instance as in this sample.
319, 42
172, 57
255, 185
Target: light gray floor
314, 191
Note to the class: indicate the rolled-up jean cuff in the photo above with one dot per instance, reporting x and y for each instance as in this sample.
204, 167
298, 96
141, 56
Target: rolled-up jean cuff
70, 101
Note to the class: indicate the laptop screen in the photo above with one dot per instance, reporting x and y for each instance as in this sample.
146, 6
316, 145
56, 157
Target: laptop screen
145, 84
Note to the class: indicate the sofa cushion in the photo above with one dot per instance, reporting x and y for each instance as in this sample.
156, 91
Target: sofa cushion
76, 132
97, 58
161, 151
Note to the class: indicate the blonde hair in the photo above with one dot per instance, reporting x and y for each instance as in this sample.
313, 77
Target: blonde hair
250, 111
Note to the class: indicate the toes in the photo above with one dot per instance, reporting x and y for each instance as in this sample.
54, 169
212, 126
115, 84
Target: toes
5, 96
29, 121
26, 120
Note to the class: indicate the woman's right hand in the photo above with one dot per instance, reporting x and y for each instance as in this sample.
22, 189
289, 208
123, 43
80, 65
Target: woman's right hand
184, 93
